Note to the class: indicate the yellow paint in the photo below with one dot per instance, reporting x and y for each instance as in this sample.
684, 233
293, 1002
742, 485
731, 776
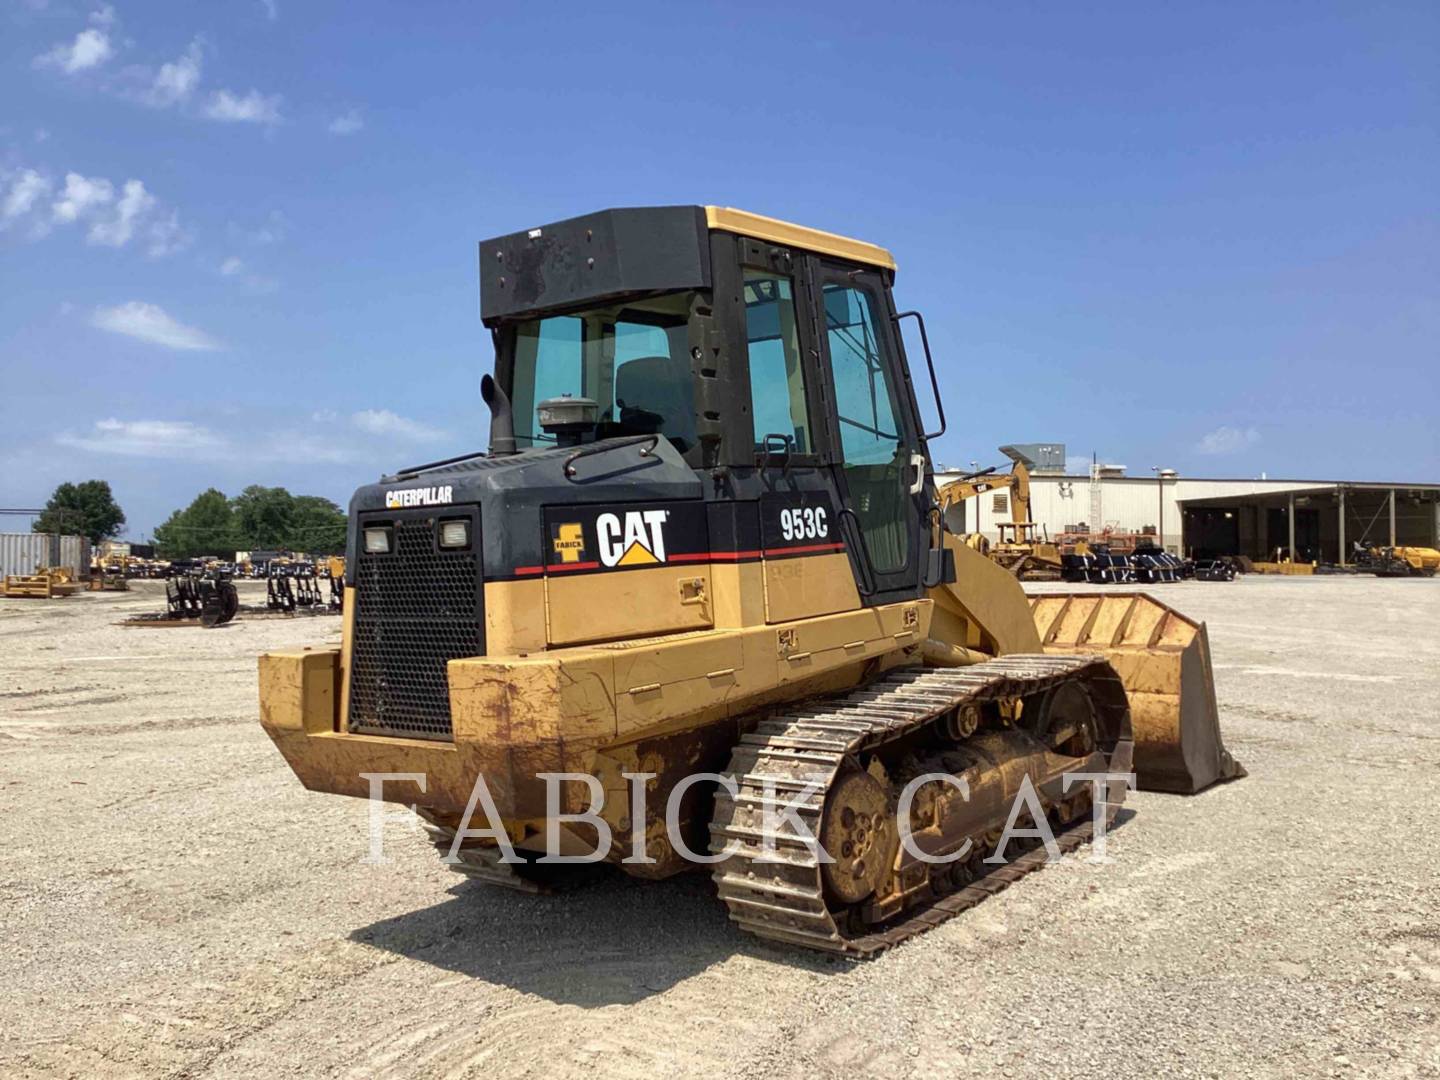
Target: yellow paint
984, 609
810, 585
621, 606
728, 219
515, 616
1163, 660
569, 542
637, 554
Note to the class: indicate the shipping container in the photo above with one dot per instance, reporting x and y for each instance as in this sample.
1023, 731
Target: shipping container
21, 553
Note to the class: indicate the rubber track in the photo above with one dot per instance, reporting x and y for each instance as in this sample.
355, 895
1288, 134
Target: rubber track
784, 901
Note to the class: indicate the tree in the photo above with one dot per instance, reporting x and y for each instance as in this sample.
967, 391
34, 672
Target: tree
205, 527
258, 519
263, 516
87, 509
317, 525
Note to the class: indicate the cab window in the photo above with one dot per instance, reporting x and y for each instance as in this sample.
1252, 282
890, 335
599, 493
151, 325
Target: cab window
632, 359
777, 380
872, 445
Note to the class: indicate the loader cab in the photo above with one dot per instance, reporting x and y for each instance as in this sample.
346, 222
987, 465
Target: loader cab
768, 355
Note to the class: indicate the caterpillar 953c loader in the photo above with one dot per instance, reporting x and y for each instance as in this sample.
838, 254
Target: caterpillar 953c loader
705, 540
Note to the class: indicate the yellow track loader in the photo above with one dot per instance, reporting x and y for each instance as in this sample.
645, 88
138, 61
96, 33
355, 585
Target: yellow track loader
696, 605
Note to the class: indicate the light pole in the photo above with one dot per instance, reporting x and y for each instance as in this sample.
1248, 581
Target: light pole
1159, 503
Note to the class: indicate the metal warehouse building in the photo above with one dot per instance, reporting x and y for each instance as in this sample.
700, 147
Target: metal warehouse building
1319, 520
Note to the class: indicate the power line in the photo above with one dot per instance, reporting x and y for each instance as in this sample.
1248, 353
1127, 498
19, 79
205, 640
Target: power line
226, 528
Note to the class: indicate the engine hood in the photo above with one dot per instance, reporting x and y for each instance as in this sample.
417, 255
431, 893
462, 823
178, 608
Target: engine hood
513, 491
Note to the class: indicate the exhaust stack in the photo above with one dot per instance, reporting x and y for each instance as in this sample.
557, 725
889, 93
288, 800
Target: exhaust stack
502, 417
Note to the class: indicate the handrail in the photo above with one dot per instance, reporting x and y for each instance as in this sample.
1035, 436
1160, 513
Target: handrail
929, 363
608, 445
413, 469
867, 586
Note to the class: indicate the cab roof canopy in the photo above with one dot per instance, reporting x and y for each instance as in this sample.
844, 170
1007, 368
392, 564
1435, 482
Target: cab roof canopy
632, 250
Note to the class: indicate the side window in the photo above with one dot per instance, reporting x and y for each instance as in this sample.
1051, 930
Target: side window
652, 389
871, 442
547, 365
777, 381
864, 398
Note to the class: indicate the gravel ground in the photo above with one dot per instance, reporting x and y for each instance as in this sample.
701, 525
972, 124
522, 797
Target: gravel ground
173, 904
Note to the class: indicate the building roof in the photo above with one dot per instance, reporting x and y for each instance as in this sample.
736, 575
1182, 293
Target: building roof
1382, 485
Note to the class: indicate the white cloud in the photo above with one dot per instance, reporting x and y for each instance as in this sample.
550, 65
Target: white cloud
105, 16
385, 423
82, 195
91, 48
144, 438
238, 270
184, 440
251, 108
167, 237
272, 9
347, 123
26, 189
112, 221
135, 202
177, 80
151, 323
1228, 440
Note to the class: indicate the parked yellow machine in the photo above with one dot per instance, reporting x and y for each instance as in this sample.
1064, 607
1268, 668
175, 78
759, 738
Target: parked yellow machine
1405, 561
1019, 549
46, 583
706, 540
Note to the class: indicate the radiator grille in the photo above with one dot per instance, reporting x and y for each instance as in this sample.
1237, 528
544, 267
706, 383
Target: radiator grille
415, 609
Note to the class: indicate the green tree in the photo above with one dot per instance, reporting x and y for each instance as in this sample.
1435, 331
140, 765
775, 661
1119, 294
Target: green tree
86, 509
205, 527
264, 516
317, 526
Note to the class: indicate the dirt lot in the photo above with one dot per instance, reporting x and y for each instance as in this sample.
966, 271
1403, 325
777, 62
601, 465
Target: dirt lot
173, 904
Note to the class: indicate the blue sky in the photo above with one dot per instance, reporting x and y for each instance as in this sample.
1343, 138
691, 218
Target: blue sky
237, 241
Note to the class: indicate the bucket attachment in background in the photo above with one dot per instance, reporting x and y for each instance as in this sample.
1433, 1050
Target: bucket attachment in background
1163, 658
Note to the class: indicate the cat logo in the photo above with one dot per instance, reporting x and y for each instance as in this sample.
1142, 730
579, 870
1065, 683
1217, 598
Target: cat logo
638, 541
569, 542
405, 498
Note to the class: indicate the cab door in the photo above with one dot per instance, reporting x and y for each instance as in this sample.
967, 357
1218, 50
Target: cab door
805, 570
876, 453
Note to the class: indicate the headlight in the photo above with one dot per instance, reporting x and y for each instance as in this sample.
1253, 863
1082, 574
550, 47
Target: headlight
455, 534
377, 541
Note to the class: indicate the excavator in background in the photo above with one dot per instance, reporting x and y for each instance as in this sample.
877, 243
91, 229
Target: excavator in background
1019, 550
706, 539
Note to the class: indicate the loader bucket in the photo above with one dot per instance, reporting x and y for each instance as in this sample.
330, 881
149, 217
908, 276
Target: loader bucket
1163, 658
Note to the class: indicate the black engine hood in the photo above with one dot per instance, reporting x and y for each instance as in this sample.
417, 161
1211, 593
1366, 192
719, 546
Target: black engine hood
511, 492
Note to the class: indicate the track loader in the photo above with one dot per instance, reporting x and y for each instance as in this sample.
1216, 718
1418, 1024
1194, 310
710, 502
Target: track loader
702, 573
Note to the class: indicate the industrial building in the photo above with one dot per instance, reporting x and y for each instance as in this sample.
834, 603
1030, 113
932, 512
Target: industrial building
1319, 520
